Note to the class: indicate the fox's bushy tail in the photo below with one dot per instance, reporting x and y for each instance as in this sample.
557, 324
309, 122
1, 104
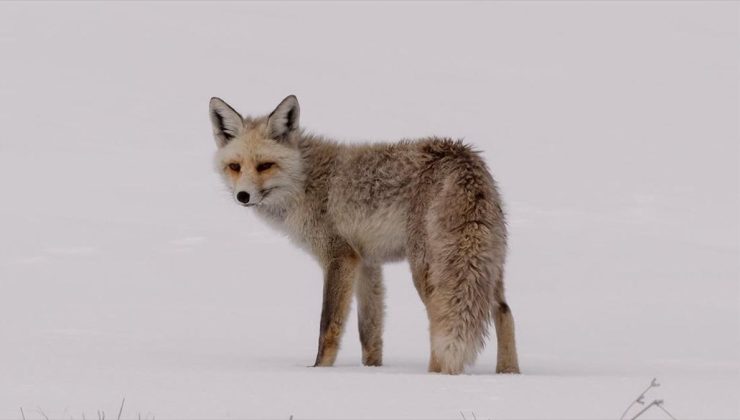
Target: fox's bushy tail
469, 250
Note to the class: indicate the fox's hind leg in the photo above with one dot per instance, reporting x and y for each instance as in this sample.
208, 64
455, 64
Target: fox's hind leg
445, 355
506, 359
420, 275
370, 293
340, 273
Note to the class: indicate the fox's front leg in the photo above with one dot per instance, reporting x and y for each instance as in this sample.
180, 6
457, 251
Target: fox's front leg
339, 279
370, 292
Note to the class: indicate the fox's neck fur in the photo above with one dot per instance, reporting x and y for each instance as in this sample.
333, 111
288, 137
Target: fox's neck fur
298, 210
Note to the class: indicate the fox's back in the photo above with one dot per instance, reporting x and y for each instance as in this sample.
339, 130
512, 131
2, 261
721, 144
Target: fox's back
367, 193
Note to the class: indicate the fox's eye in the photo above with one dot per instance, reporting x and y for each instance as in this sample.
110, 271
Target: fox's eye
235, 167
264, 166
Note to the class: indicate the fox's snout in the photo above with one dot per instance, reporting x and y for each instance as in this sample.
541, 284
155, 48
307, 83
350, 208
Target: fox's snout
242, 197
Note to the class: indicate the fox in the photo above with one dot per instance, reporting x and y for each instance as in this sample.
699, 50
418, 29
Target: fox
353, 207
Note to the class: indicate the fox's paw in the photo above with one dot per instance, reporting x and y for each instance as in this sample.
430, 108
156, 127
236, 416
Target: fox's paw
508, 369
373, 361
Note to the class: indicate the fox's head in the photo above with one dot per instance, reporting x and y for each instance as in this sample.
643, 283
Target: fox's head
258, 158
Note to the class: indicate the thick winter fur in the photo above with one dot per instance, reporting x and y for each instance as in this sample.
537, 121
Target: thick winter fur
354, 207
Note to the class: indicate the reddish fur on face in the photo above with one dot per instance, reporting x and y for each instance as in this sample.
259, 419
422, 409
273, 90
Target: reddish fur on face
249, 169
230, 173
253, 149
261, 178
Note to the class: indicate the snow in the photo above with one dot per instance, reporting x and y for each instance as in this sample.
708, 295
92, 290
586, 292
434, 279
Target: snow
127, 271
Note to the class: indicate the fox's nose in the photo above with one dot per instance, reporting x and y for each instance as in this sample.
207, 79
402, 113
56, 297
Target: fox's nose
242, 197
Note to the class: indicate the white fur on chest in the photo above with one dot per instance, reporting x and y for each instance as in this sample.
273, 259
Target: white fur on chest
292, 223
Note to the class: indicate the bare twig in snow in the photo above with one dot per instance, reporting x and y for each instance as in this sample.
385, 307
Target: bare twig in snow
665, 411
42, 413
23, 415
640, 398
120, 410
647, 407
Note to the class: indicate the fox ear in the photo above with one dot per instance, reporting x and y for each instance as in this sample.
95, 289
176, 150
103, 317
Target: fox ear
227, 123
283, 121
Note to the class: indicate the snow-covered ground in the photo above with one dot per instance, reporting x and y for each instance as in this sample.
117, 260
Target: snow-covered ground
127, 271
